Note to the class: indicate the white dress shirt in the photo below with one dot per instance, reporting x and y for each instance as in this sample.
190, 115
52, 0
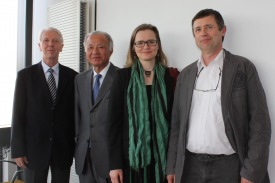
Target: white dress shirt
55, 72
102, 73
206, 130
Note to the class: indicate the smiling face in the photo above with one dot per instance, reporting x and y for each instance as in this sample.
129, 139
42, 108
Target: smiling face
98, 51
208, 37
146, 53
50, 45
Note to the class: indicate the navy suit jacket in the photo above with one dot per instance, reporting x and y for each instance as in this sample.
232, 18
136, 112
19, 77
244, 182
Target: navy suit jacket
41, 131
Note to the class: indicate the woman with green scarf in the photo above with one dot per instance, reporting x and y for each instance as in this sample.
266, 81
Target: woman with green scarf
139, 111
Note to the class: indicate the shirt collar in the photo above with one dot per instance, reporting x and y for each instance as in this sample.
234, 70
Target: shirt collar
46, 67
103, 72
218, 61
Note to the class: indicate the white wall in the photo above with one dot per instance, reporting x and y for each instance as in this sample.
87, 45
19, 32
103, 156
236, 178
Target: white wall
250, 27
250, 33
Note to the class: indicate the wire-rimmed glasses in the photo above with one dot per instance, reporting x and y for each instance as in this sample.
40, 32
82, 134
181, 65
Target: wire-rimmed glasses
210, 90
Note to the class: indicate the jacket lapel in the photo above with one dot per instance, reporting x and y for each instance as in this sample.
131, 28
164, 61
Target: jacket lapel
62, 80
89, 79
228, 75
106, 85
190, 85
42, 82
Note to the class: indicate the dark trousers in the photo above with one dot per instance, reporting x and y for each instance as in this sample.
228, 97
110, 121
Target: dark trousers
89, 174
40, 176
211, 169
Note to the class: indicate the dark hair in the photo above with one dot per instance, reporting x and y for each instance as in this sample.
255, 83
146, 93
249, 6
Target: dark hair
209, 12
131, 53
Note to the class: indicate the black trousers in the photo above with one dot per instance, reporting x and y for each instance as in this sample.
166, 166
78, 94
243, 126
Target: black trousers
40, 176
202, 168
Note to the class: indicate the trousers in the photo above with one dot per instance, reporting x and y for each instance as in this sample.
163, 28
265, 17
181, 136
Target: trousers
204, 168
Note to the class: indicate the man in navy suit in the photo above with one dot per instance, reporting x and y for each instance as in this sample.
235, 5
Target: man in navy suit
43, 127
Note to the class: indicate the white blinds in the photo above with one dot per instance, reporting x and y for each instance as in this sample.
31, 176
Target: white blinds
71, 18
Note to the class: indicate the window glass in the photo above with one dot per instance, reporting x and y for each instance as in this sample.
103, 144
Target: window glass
8, 55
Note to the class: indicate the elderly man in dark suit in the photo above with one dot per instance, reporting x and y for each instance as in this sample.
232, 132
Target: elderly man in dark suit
43, 119
91, 109
220, 121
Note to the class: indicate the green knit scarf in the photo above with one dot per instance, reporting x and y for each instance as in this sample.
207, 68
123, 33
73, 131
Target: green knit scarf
139, 124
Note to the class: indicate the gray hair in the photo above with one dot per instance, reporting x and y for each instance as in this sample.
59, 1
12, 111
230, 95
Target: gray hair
50, 29
110, 40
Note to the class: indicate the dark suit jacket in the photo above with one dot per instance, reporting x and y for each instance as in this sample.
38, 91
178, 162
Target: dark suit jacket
91, 121
39, 130
118, 124
245, 115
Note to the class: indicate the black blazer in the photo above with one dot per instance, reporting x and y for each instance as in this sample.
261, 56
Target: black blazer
41, 131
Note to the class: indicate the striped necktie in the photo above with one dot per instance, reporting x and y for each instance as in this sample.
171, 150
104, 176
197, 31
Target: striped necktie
52, 85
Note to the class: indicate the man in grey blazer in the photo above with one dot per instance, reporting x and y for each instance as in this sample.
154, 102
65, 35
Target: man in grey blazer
220, 122
91, 153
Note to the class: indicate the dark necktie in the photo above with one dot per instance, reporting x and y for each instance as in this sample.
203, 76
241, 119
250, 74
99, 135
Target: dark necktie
96, 87
52, 85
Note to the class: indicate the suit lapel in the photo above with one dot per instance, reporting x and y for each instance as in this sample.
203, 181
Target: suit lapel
61, 82
106, 85
89, 79
42, 82
190, 85
228, 75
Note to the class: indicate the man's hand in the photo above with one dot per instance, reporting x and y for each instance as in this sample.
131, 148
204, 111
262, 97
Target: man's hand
171, 178
22, 162
116, 176
243, 180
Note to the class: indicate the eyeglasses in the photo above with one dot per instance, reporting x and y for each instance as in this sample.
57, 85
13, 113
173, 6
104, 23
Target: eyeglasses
210, 90
141, 44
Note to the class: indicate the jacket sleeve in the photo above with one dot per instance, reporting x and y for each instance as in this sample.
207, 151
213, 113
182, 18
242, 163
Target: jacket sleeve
76, 110
115, 122
19, 117
256, 160
174, 133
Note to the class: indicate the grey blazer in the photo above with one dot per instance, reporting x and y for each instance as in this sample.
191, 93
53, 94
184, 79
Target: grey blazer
245, 114
91, 121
